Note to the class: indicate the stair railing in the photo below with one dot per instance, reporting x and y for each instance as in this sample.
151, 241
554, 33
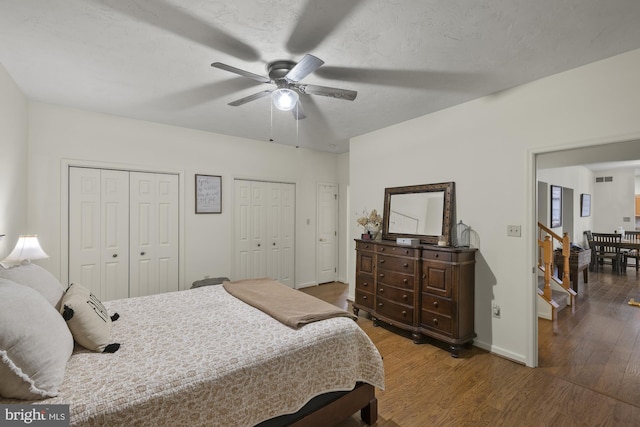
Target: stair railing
546, 237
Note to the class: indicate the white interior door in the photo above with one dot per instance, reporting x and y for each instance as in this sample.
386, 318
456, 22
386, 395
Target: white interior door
258, 230
154, 233
99, 231
287, 233
327, 253
264, 230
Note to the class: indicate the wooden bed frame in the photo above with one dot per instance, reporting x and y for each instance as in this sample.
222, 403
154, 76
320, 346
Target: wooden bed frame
332, 408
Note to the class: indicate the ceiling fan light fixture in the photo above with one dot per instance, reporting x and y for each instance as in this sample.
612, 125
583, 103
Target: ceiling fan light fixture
284, 99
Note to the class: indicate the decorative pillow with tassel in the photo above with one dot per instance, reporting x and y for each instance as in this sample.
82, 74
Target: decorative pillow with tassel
87, 319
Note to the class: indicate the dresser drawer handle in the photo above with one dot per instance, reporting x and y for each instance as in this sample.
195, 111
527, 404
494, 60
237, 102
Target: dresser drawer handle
382, 261
406, 265
381, 274
404, 313
366, 246
364, 297
435, 321
405, 297
406, 252
405, 281
424, 276
380, 304
435, 304
381, 249
437, 255
365, 284
381, 290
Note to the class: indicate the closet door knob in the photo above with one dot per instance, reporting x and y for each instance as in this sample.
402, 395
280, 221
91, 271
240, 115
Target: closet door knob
258, 244
115, 255
143, 253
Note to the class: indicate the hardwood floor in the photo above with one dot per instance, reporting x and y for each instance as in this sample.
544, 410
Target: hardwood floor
588, 374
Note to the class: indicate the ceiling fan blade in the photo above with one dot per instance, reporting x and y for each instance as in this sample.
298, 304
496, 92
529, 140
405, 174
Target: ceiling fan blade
256, 77
332, 92
317, 21
250, 98
298, 111
189, 25
307, 65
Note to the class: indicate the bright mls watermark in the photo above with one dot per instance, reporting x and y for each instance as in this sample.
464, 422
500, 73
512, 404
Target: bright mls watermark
34, 415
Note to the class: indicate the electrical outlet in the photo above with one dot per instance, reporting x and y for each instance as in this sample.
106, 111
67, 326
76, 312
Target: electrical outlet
495, 310
513, 230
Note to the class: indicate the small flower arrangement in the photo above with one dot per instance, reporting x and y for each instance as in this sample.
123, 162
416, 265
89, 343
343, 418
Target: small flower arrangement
371, 223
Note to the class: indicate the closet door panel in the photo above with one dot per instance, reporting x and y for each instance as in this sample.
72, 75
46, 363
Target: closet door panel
114, 234
287, 233
242, 226
99, 231
143, 234
167, 233
84, 229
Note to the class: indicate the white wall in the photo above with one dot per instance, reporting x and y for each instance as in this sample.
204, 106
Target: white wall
613, 202
57, 133
13, 163
580, 179
487, 146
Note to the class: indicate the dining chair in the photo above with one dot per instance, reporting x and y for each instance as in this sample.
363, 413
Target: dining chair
631, 237
606, 253
589, 236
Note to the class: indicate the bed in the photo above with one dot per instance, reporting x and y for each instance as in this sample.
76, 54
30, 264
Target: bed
204, 357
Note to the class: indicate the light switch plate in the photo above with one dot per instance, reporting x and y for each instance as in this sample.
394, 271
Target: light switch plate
513, 230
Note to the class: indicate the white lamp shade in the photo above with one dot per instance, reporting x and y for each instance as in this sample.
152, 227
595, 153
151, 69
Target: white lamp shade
27, 249
284, 99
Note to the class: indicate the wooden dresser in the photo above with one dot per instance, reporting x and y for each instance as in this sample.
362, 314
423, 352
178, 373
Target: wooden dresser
425, 289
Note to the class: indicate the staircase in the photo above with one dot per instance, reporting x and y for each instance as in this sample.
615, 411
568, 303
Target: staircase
554, 294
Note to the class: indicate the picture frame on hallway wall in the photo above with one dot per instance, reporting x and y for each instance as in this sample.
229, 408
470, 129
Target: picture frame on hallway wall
556, 206
208, 194
585, 204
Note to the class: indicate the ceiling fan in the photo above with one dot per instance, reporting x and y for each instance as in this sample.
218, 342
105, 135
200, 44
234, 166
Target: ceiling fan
286, 75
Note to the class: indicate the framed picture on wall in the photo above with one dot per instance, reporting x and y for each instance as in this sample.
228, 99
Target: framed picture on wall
556, 206
208, 194
585, 205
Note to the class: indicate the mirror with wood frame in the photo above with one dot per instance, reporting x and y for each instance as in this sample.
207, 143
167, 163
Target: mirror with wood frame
421, 212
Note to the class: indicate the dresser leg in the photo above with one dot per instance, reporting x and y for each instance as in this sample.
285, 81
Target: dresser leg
376, 322
356, 311
455, 351
417, 338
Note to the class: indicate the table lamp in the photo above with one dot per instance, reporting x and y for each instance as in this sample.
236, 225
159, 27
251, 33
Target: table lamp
27, 249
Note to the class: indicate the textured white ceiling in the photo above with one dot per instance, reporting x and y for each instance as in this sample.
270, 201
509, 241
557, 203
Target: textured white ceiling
150, 59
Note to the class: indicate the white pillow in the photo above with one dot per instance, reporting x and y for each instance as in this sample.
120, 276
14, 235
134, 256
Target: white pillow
87, 319
35, 344
36, 277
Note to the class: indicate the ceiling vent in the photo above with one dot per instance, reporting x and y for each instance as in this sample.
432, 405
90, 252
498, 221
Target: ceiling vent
604, 179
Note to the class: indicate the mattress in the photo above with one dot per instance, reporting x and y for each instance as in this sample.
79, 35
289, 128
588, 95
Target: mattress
203, 357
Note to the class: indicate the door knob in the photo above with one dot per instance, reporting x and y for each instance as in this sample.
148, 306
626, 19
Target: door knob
115, 255
143, 253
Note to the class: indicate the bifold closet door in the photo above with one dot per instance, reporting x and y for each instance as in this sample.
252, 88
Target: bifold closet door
99, 231
123, 232
264, 225
154, 233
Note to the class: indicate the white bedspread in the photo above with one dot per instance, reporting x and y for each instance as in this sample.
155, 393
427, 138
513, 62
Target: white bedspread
203, 357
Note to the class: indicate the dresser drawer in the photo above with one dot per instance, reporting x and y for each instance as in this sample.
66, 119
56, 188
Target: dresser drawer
393, 310
365, 246
437, 305
398, 250
394, 294
399, 280
364, 299
436, 255
402, 265
364, 282
436, 322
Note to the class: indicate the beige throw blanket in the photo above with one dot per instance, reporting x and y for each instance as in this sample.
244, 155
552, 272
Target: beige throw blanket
289, 306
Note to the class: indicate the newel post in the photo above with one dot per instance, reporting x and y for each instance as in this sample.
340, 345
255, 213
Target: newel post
547, 249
